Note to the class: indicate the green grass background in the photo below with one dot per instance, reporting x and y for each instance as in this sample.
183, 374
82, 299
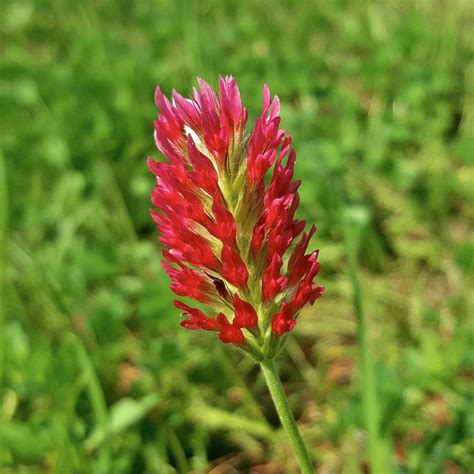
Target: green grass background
96, 374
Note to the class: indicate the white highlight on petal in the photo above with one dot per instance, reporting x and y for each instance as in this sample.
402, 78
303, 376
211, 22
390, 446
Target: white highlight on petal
200, 145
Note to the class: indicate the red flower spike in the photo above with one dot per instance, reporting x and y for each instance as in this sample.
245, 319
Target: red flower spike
297, 265
226, 213
306, 293
245, 314
188, 282
257, 237
283, 321
197, 319
223, 227
272, 282
204, 175
233, 267
228, 332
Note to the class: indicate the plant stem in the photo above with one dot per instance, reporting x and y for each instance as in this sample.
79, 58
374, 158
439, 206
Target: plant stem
275, 387
3, 245
370, 402
369, 392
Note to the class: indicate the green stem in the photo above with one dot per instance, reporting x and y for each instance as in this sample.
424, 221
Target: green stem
370, 402
3, 245
369, 393
275, 387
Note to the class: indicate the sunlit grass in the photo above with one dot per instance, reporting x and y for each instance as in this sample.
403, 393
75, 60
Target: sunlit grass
377, 99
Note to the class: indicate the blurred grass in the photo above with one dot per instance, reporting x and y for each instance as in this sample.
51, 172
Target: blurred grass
97, 375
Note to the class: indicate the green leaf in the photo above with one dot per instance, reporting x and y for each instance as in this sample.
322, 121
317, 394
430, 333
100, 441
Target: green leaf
123, 415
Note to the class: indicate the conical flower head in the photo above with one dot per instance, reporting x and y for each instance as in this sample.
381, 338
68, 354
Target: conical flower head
226, 203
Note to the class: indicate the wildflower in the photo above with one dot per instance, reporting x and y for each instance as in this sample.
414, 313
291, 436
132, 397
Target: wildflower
227, 203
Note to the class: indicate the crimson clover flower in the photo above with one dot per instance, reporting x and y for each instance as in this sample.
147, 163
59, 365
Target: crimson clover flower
226, 203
